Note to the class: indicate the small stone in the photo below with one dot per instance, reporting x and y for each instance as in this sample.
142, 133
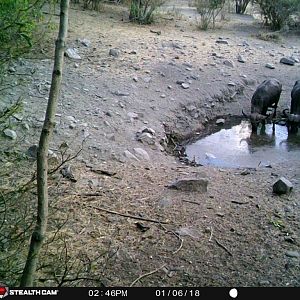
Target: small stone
249, 81
32, 151
228, 63
180, 82
188, 231
269, 66
191, 108
121, 94
129, 155
264, 282
71, 119
190, 185
114, 52
52, 157
241, 59
147, 138
133, 115
26, 126
231, 83
292, 254
220, 122
10, 133
164, 203
245, 172
221, 41
72, 53
141, 153
289, 239
287, 61
282, 186
146, 129
67, 173
85, 42
11, 70
185, 85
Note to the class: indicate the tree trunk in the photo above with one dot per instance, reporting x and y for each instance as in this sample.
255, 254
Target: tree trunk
238, 6
241, 5
39, 232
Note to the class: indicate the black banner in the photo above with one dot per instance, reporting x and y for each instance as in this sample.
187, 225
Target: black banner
158, 293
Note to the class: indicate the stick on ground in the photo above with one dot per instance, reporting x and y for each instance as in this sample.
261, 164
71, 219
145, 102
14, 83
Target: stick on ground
126, 215
147, 274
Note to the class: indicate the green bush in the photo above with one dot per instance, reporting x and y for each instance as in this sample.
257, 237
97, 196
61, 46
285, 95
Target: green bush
18, 21
141, 11
277, 13
208, 11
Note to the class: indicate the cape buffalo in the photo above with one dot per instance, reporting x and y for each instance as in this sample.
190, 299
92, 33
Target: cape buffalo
293, 118
266, 95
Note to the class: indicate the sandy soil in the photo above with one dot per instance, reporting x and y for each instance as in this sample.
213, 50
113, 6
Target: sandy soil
237, 233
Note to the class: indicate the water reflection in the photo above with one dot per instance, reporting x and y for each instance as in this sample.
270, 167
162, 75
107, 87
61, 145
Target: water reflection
237, 146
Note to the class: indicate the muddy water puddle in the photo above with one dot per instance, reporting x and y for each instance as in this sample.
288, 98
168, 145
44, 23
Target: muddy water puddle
236, 147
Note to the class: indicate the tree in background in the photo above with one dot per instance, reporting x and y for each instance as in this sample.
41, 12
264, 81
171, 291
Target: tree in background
208, 11
141, 11
277, 13
241, 5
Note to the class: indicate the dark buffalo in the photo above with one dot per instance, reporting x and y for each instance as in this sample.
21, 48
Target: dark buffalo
293, 118
266, 96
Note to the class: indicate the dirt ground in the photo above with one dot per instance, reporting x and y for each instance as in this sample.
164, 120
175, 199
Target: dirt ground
121, 219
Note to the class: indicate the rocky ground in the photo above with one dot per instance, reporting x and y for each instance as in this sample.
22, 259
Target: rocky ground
132, 87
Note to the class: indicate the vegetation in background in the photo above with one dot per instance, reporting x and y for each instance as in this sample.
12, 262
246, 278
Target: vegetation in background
277, 13
241, 5
208, 11
18, 22
141, 11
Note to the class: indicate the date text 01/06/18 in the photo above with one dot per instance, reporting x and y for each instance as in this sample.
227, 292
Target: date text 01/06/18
177, 293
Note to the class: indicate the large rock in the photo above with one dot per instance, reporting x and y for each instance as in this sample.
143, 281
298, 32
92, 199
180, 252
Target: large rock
282, 186
190, 185
287, 61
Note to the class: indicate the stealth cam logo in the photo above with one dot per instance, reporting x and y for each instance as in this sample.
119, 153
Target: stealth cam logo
4, 290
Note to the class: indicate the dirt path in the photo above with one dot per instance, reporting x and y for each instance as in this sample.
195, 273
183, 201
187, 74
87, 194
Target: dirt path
237, 233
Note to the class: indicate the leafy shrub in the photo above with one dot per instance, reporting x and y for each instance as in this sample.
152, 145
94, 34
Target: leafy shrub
277, 13
18, 20
141, 11
208, 11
